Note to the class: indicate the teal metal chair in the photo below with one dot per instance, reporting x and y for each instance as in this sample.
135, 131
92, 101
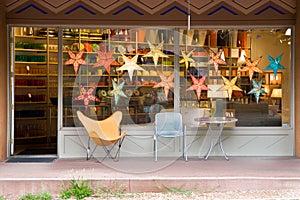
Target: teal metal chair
169, 125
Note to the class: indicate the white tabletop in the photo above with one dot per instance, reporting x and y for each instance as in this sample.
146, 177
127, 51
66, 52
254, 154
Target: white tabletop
216, 120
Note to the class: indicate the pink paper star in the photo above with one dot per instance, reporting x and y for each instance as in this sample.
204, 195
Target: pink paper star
215, 59
198, 85
166, 82
105, 59
86, 96
252, 67
76, 60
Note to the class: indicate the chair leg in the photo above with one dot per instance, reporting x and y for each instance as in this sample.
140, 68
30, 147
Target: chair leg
155, 148
184, 144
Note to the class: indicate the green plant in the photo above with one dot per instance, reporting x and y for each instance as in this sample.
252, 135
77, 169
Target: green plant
116, 191
42, 196
176, 190
77, 189
2, 198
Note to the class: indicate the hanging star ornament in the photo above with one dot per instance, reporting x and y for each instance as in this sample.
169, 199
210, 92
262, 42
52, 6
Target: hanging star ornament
86, 96
166, 82
105, 59
275, 64
155, 52
216, 59
257, 90
230, 86
252, 67
187, 58
76, 60
130, 65
118, 91
198, 85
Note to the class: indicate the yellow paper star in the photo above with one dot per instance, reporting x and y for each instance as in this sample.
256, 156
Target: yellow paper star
252, 67
130, 65
155, 52
230, 86
186, 58
166, 82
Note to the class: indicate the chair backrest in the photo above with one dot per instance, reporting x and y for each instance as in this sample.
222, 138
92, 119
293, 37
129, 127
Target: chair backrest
189, 115
106, 129
168, 124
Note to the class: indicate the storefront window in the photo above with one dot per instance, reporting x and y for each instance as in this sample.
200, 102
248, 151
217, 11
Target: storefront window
242, 73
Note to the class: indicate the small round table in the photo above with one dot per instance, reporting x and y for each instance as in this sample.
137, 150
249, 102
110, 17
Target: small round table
218, 123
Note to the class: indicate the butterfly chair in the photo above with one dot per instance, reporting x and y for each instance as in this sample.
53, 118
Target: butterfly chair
169, 125
105, 133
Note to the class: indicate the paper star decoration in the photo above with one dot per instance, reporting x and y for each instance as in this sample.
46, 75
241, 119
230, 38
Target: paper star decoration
186, 58
216, 59
76, 60
252, 67
166, 82
155, 52
257, 89
198, 85
130, 65
105, 59
86, 96
118, 91
230, 86
275, 64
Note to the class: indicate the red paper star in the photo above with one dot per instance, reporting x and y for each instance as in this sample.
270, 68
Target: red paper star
76, 60
105, 59
215, 59
166, 82
86, 96
252, 67
198, 85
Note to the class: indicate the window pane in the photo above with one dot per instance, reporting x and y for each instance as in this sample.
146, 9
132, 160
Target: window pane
240, 73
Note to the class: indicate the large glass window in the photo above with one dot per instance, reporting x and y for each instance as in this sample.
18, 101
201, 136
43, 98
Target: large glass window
240, 73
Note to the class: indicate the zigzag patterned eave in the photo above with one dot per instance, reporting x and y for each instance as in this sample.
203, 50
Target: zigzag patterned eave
23, 9
80, 6
222, 8
127, 7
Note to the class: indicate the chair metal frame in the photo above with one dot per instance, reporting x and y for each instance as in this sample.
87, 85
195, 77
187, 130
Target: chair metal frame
105, 133
169, 125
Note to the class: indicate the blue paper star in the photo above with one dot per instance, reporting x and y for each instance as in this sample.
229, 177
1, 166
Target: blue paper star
257, 90
274, 64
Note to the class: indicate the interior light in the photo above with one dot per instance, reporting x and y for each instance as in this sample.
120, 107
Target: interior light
288, 32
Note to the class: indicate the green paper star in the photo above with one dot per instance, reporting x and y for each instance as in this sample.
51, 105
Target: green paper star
257, 90
274, 64
118, 91
155, 52
186, 58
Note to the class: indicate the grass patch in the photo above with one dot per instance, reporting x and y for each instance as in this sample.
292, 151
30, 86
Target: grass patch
41, 196
77, 189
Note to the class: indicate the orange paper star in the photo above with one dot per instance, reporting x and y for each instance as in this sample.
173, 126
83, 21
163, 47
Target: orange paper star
166, 82
198, 85
215, 59
252, 67
105, 59
76, 60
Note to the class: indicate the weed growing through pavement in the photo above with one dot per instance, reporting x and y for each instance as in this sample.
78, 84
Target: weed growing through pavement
77, 189
41, 196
